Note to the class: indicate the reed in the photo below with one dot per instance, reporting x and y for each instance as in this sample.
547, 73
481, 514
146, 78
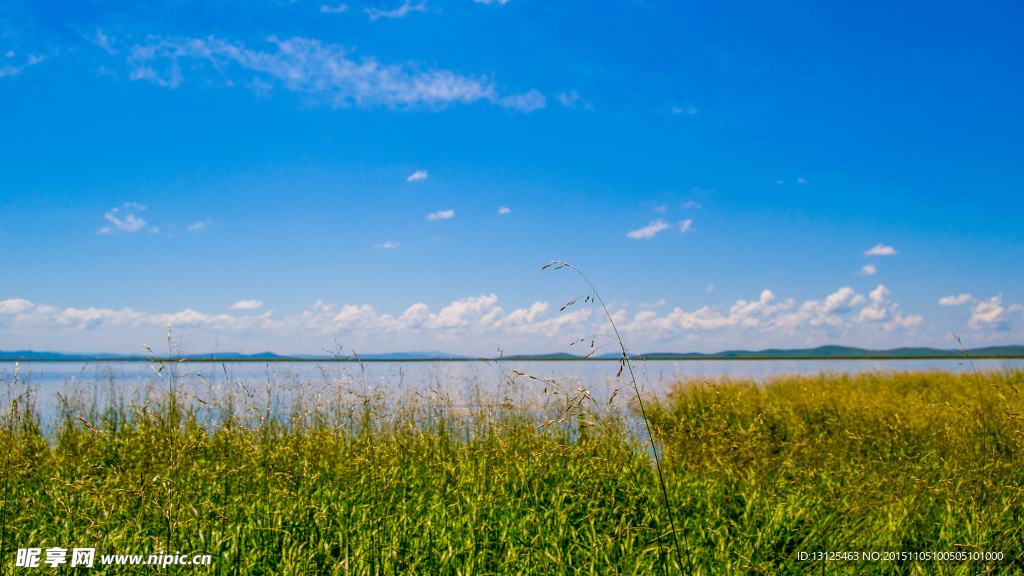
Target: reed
350, 480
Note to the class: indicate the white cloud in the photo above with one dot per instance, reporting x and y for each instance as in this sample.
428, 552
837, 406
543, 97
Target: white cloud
417, 175
868, 270
323, 71
9, 54
441, 215
8, 70
836, 315
466, 317
684, 226
661, 208
801, 181
690, 204
569, 100
689, 110
677, 110
476, 323
198, 226
957, 300
499, 2
988, 313
14, 306
402, 10
103, 41
711, 287
650, 230
525, 103
778, 181
884, 313
246, 305
881, 250
127, 223
329, 10
504, 210
387, 245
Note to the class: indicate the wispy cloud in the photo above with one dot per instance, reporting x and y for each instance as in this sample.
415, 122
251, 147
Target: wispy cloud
11, 70
569, 100
650, 230
711, 287
690, 204
417, 175
661, 208
504, 210
499, 2
103, 41
441, 215
387, 245
525, 103
881, 250
123, 223
957, 300
198, 226
653, 228
402, 10
868, 270
323, 71
246, 305
337, 10
801, 181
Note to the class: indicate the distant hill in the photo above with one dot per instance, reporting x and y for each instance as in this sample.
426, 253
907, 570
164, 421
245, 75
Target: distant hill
844, 352
226, 357
821, 352
556, 356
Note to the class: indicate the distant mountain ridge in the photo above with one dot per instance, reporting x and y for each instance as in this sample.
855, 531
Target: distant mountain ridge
846, 352
819, 353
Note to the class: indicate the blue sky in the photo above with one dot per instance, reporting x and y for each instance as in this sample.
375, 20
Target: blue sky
392, 176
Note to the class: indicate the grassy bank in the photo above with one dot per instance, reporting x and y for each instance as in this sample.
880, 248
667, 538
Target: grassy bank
363, 484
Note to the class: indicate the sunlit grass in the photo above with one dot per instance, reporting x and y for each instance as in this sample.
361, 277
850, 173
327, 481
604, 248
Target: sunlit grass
356, 483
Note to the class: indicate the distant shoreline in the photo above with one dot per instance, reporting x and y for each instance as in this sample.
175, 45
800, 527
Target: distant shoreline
351, 360
819, 353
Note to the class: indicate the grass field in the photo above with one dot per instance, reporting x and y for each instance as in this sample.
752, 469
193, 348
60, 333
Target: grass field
352, 482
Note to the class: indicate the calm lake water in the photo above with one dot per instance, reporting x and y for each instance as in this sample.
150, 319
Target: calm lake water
276, 384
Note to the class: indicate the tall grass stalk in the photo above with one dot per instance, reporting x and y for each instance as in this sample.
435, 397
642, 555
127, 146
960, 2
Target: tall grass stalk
625, 361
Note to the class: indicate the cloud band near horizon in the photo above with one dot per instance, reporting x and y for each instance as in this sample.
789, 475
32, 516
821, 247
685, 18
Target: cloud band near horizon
467, 324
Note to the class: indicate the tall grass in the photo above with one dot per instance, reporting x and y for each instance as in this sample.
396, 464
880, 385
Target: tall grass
351, 481
908, 461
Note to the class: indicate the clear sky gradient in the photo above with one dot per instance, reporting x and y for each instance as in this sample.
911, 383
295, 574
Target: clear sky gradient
284, 175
